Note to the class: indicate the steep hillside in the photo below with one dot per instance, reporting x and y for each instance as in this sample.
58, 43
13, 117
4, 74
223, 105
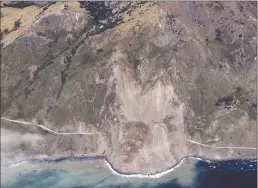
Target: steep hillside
153, 82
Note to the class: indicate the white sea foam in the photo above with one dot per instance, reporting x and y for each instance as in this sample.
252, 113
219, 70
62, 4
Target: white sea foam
151, 176
17, 164
137, 175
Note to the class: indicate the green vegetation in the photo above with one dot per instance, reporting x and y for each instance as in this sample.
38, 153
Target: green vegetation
60, 114
137, 28
6, 31
24, 146
17, 24
136, 63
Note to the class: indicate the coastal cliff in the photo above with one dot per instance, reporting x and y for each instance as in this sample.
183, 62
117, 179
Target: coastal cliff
152, 82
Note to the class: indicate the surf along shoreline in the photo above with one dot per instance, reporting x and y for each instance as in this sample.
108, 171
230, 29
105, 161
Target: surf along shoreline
115, 171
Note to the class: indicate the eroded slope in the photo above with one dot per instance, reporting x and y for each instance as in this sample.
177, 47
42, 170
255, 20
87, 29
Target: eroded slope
155, 82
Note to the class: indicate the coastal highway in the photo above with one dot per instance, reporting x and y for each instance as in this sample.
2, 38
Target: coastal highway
45, 128
87, 133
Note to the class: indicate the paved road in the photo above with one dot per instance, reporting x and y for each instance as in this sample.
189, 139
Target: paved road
45, 128
86, 133
232, 147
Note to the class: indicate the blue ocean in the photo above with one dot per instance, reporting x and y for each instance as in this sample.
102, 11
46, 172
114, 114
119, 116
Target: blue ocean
94, 173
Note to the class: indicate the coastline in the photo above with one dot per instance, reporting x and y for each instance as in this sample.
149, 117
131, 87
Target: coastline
112, 169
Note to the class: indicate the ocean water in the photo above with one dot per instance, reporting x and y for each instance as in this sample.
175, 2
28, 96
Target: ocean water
191, 172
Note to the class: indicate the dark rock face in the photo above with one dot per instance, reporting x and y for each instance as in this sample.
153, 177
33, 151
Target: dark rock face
109, 12
152, 80
23, 4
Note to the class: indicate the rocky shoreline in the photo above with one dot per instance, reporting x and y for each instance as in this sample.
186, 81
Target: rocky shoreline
118, 172
146, 78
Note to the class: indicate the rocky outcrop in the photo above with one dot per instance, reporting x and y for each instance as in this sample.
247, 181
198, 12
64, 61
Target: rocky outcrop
152, 81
